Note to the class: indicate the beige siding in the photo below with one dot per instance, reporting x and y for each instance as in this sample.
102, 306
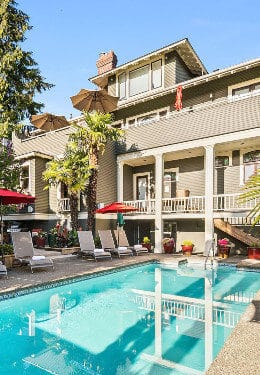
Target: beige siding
42, 196
217, 119
111, 89
50, 143
106, 189
128, 183
53, 201
169, 70
181, 71
191, 174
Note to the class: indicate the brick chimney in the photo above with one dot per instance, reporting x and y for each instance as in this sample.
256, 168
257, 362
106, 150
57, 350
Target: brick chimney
106, 61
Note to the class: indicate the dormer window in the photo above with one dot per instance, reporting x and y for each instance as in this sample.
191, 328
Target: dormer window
139, 80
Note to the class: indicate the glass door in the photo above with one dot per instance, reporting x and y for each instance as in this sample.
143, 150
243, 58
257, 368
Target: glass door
169, 184
142, 187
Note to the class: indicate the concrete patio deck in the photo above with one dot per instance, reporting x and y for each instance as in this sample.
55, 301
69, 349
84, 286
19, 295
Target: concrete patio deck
239, 356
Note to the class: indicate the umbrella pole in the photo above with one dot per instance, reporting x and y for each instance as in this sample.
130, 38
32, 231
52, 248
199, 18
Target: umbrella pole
2, 223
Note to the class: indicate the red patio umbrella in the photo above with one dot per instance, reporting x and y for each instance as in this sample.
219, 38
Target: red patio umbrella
12, 197
117, 208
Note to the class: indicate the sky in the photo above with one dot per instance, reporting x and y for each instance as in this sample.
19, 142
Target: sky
68, 35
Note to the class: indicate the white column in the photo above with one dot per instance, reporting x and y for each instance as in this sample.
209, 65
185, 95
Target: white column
208, 322
158, 203
158, 312
120, 181
209, 191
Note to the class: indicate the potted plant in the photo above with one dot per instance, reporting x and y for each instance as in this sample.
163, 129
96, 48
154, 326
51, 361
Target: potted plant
224, 246
187, 247
168, 245
146, 243
40, 239
254, 251
7, 252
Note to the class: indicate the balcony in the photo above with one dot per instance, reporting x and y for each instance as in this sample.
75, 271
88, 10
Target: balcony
194, 204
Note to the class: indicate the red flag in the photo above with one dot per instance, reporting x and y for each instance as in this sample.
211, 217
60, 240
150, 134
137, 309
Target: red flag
178, 101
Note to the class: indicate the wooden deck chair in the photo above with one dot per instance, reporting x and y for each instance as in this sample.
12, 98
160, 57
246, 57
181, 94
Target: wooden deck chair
121, 237
107, 242
87, 246
24, 252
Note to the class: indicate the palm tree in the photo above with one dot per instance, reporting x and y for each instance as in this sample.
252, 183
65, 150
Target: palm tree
73, 170
252, 193
91, 139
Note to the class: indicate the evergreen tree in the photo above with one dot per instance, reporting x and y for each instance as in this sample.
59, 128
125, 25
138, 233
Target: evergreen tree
20, 79
9, 169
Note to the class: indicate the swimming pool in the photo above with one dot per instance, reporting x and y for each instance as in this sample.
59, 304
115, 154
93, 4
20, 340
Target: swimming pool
149, 319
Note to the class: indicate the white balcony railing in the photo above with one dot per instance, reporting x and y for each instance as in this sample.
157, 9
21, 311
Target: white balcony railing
63, 205
143, 206
184, 204
230, 202
194, 204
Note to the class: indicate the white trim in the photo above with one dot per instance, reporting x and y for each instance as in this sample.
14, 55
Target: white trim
242, 84
28, 164
242, 164
141, 174
157, 118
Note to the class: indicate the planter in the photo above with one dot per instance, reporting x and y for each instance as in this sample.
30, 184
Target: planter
147, 245
253, 252
223, 251
187, 249
8, 260
168, 246
40, 242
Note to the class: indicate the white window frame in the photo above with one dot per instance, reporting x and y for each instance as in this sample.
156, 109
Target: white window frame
242, 165
150, 89
157, 111
142, 174
28, 164
240, 86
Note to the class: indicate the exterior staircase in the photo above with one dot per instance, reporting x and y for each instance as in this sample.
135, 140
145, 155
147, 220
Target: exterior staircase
235, 232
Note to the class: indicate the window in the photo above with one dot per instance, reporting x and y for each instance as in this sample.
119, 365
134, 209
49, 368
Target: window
251, 161
25, 178
122, 86
156, 74
244, 91
146, 119
139, 80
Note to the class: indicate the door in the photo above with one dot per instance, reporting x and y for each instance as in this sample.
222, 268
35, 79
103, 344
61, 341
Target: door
142, 187
169, 184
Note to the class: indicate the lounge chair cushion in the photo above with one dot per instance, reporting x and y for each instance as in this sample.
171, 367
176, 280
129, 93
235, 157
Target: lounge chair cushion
99, 251
38, 257
122, 248
138, 247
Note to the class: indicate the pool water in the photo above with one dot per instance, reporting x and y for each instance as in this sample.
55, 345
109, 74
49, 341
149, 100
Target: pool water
143, 320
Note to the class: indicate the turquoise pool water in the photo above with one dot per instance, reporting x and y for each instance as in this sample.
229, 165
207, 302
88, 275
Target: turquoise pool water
144, 320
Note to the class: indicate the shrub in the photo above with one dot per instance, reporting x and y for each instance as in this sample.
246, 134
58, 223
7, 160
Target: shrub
6, 249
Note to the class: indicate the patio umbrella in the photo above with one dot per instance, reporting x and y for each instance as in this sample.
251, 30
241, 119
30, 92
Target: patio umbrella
94, 100
48, 122
12, 197
118, 208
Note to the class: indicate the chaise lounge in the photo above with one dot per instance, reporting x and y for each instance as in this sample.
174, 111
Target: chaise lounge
108, 243
123, 241
88, 249
24, 252
3, 270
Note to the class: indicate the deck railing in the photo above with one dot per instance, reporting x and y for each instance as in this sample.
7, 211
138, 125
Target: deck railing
230, 202
63, 205
143, 206
183, 204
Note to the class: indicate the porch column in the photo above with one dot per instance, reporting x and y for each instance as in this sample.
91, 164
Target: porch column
120, 180
209, 191
158, 203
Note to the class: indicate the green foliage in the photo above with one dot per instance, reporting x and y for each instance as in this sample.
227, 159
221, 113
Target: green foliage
97, 242
9, 169
91, 140
20, 79
6, 249
252, 193
187, 243
72, 238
